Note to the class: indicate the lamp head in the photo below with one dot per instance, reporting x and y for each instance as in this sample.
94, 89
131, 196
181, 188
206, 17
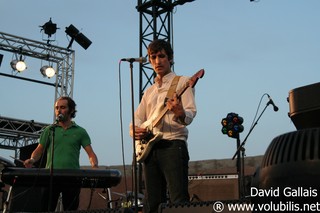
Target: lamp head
18, 65
47, 71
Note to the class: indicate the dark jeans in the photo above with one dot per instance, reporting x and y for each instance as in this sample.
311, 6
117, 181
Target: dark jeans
70, 198
166, 170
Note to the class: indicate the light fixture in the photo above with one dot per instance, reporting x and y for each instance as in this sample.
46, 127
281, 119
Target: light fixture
1, 57
47, 71
18, 64
232, 125
81, 39
49, 28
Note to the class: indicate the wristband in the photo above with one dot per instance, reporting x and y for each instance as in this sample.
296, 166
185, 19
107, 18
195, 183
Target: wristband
32, 160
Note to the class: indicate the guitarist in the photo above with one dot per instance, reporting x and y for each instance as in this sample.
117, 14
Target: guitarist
166, 166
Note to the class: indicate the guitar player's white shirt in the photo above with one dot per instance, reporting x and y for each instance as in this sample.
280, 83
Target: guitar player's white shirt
154, 97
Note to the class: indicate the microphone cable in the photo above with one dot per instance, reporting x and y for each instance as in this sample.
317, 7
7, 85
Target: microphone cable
121, 128
255, 116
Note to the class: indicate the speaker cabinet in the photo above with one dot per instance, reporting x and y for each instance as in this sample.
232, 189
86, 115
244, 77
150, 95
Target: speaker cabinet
214, 187
25, 153
304, 104
200, 207
121, 210
25, 199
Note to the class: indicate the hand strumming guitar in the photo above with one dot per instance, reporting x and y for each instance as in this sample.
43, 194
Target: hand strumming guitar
140, 133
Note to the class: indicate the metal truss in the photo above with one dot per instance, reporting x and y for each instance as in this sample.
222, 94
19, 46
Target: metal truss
18, 133
63, 57
155, 22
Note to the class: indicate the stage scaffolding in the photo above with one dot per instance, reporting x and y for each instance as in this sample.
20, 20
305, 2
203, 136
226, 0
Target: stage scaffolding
15, 133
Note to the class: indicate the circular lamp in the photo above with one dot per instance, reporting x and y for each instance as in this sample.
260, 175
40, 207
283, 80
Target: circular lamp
47, 71
18, 65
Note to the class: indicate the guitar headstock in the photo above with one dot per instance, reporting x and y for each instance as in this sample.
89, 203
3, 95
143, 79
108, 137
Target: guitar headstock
194, 79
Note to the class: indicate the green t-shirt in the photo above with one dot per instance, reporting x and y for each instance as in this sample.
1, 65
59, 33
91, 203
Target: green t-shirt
67, 145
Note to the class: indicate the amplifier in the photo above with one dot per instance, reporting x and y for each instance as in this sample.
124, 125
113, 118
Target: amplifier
213, 187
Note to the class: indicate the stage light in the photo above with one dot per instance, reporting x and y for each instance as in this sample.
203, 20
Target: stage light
47, 71
80, 38
1, 57
232, 125
18, 65
49, 28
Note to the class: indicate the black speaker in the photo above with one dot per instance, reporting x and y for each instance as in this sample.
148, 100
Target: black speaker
119, 210
25, 199
25, 153
200, 207
304, 104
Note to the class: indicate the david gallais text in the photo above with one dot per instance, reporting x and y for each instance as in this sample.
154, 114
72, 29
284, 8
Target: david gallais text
286, 192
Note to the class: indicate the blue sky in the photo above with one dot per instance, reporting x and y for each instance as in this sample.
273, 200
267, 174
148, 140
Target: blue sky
246, 48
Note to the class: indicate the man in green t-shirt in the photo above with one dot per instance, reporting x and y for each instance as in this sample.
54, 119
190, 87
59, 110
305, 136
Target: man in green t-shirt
67, 140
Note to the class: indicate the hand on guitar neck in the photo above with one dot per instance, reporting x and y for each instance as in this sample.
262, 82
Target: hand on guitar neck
176, 107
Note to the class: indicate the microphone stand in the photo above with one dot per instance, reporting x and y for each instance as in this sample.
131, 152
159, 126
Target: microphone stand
133, 139
52, 128
242, 150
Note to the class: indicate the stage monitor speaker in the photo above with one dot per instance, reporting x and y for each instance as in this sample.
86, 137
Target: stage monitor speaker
25, 199
25, 153
213, 187
200, 207
119, 210
304, 105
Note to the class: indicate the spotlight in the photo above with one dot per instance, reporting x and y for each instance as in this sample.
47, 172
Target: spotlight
81, 39
47, 71
18, 65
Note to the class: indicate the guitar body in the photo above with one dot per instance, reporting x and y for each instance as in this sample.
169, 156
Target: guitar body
143, 147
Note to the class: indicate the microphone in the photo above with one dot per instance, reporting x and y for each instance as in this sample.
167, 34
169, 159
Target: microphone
60, 117
275, 108
140, 60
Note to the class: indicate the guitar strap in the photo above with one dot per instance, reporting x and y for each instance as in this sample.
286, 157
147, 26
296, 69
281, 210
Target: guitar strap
173, 87
171, 91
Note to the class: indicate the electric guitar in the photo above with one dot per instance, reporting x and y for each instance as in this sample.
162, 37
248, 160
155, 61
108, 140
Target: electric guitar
144, 146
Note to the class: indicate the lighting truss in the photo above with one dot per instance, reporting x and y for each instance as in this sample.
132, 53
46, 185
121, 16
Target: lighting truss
155, 22
17, 133
63, 57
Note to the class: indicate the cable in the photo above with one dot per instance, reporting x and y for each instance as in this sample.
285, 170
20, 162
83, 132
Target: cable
121, 129
255, 116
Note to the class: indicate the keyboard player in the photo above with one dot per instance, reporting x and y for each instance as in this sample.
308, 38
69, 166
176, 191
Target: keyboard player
66, 138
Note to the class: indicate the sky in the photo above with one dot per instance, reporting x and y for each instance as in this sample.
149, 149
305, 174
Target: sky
246, 48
